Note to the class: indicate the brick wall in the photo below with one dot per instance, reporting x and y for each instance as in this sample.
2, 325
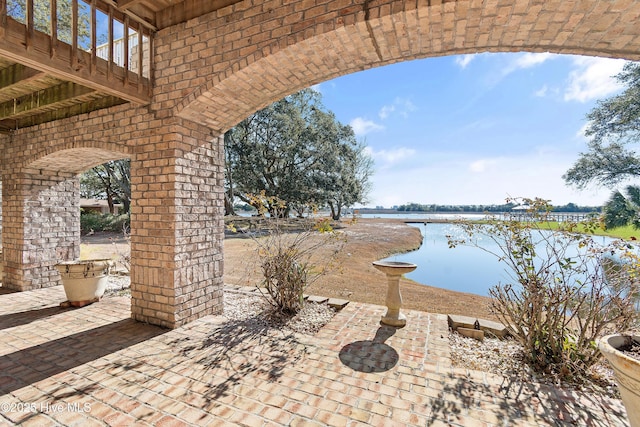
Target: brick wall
219, 68
177, 212
210, 73
177, 228
42, 226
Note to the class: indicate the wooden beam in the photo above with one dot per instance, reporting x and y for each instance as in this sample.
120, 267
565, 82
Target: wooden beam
125, 49
16, 74
126, 4
9, 125
30, 24
12, 47
140, 55
184, 10
74, 33
46, 98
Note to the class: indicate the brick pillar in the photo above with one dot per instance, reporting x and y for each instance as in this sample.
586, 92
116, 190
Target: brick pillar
177, 226
41, 224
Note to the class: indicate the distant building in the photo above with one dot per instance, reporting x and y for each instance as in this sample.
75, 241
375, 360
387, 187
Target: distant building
99, 206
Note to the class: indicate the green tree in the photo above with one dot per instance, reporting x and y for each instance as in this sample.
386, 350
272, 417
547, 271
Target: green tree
110, 181
614, 125
343, 179
296, 151
621, 210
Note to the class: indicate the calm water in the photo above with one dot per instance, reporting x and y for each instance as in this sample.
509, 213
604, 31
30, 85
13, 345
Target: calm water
464, 268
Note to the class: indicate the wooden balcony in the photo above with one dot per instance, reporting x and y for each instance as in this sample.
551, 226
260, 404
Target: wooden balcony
44, 78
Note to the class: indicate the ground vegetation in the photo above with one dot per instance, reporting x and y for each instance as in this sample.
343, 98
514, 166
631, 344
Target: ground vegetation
565, 289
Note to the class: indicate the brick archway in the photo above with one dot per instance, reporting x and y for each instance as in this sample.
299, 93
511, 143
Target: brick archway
255, 55
42, 210
214, 70
77, 158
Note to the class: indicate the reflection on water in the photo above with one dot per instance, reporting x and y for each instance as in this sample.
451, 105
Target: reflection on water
463, 269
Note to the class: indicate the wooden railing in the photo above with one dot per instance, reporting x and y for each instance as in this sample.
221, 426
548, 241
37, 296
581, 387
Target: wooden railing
81, 41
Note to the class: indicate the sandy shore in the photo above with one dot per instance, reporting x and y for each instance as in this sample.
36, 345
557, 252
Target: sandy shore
355, 279
366, 241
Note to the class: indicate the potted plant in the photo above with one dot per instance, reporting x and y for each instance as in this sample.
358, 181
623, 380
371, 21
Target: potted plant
84, 281
622, 352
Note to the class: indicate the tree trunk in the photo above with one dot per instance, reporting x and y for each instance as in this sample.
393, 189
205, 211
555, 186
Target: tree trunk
228, 205
336, 211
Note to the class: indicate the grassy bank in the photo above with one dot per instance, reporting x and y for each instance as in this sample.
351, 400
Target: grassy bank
627, 232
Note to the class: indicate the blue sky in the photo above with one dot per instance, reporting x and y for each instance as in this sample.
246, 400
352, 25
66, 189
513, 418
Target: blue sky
474, 129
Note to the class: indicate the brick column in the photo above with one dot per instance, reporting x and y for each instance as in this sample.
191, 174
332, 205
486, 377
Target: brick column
41, 226
177, 225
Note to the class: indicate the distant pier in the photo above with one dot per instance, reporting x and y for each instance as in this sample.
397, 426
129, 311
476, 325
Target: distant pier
517, 216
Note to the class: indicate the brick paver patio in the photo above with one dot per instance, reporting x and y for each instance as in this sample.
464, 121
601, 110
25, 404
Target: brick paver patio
95, 366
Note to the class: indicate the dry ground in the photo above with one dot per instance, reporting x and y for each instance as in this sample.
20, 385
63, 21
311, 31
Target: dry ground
365, 241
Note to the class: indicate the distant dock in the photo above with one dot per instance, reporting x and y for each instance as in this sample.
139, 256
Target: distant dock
551, 216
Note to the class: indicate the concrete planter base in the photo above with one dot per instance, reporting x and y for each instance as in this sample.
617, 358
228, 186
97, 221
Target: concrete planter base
627, 372
84, 281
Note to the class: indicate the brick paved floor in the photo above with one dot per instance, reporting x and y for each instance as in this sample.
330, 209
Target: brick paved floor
94, 366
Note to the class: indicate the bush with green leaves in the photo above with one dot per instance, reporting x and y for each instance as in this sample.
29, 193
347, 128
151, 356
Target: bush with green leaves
563, 292
93, 222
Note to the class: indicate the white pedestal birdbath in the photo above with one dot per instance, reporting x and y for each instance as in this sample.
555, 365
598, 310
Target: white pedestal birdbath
394, 270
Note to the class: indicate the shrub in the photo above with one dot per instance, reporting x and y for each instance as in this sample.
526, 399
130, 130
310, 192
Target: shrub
285, 257
562, 295
94, 222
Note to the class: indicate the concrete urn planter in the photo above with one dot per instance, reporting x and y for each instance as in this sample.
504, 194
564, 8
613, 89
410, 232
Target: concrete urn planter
84, 281
626, 370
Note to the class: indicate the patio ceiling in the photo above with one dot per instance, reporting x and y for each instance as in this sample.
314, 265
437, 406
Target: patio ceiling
41, 80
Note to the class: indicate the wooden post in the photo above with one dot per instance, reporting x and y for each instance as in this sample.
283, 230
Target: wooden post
54, 28
74, 34
110, 64
94, 35
151, 70
3, 16
29, 18
125, 50
140, 57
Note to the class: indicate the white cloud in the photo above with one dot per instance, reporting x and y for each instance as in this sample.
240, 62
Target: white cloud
391, 156
401, 106
363, 126
542, 92
463, 60
525, 60
593, 78
528, 60
482, 165
385, 111
316, 87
